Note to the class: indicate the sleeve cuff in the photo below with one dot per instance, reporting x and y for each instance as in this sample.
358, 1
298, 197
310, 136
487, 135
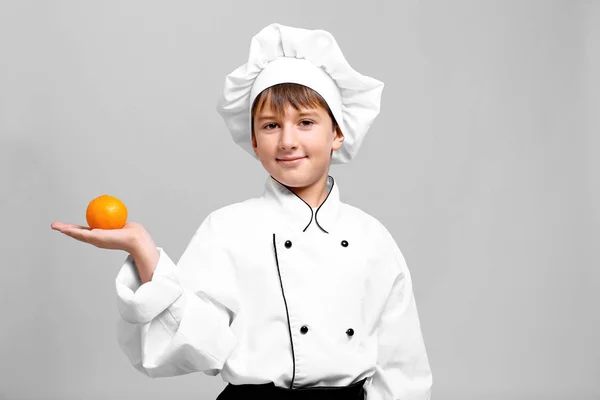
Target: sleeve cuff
139, 304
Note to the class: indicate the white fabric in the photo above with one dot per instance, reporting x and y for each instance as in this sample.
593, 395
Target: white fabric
237, 299
360, 95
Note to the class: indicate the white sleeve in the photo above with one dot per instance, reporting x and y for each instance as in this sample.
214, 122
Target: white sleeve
179, 322
403, 371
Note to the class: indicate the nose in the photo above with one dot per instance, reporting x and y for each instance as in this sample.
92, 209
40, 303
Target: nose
289, 137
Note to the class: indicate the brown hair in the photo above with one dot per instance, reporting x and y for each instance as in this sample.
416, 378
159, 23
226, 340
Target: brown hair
298, 96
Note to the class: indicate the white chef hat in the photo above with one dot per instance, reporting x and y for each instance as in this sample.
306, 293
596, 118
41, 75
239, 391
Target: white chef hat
282, 54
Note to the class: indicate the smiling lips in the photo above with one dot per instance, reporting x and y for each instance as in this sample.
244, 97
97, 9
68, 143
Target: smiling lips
290, 161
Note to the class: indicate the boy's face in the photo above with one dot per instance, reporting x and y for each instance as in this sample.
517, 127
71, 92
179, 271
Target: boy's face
307, 134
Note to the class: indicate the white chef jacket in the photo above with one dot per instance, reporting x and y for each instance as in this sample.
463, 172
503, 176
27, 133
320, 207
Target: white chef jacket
270, 289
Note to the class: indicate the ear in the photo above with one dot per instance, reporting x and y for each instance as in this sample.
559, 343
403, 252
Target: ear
254, 143
337, 139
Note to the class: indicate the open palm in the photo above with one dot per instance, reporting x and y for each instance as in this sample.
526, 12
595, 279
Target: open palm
117, 239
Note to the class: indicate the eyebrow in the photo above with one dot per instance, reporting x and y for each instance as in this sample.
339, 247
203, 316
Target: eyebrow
301, 114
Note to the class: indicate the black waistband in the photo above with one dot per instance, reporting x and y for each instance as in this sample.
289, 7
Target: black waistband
353, 391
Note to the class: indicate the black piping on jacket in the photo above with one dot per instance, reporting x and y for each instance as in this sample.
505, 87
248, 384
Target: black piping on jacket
287, 313
279, 272
309, 207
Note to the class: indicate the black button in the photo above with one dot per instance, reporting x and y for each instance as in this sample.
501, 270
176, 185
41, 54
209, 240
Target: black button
344, 243
350, 332
304, 329
288, 244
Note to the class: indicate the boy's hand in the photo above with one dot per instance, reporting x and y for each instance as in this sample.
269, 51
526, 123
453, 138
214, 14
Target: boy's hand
126, 238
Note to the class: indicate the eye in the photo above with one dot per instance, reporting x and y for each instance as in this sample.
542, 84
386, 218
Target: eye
267, 127
306, 122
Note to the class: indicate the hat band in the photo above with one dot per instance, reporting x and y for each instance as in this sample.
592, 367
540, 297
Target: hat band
303, 72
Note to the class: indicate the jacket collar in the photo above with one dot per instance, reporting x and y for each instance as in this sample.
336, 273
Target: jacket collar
298, 212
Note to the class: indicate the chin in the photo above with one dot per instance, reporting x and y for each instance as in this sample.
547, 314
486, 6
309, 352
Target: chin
299, 177
290, 178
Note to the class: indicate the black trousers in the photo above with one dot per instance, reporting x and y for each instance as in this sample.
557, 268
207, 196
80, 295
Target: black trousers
354, 391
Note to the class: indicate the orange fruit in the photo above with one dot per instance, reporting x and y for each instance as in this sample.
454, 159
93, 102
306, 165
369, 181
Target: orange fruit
106, 212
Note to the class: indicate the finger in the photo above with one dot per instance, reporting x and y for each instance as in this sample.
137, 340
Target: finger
79, 234
60, 226
57, 225
74, 226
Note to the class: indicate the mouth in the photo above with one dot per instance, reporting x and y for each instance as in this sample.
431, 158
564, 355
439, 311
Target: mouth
290, 161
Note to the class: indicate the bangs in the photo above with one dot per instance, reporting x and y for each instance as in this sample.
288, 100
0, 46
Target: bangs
277, 97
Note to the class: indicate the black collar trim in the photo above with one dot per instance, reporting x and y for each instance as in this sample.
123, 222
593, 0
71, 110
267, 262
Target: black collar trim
308, 205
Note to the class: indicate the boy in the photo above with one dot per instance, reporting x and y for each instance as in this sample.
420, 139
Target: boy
293, 293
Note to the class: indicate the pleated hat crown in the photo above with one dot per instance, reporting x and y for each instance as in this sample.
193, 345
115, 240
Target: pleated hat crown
283, 54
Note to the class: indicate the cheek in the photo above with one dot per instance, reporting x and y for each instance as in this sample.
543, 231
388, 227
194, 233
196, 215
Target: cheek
321, 143
266, 146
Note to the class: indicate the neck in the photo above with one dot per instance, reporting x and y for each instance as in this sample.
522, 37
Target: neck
313, 194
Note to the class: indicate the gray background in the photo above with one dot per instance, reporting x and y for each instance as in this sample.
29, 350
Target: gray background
483, 164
